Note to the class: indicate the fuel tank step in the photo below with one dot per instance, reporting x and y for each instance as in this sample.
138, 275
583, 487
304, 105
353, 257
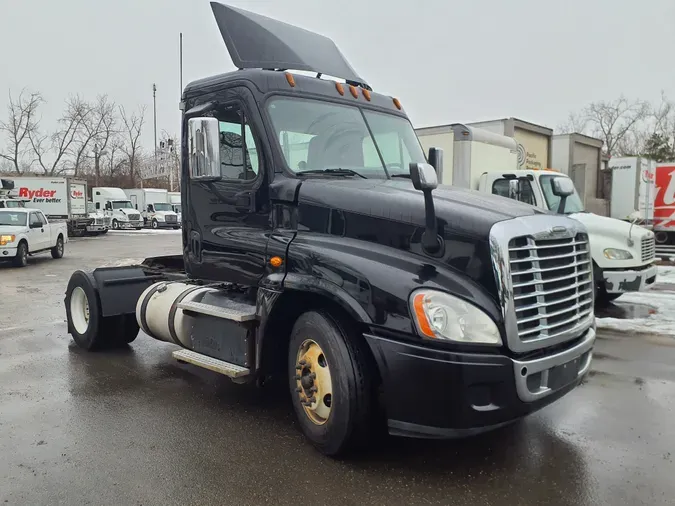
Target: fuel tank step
235, 311
210, 363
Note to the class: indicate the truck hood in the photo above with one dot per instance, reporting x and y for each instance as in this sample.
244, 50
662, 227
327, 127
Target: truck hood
465, 212
9, 230
610, 228
165, 213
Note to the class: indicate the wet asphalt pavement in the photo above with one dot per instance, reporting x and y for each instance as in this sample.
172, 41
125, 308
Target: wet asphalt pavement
134, 427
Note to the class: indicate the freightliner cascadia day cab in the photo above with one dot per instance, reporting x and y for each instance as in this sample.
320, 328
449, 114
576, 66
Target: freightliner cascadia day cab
317, 248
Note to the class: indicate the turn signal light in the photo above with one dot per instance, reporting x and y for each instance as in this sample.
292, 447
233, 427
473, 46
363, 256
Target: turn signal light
276, 261
422, 320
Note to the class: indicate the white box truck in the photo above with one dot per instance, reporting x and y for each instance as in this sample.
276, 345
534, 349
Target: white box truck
114, 203
623, 254
59, 198
174, 200
154, 206
633, 189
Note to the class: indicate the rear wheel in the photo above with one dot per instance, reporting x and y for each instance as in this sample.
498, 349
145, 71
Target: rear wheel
21, 258
57, 251
90, 330
330, 384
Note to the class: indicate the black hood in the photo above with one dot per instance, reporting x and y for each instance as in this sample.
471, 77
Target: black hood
466, 212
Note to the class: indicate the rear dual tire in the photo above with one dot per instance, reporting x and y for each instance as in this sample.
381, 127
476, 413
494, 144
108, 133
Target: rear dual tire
90, 330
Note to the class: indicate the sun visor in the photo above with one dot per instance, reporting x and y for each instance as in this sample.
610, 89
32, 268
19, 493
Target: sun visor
256, 41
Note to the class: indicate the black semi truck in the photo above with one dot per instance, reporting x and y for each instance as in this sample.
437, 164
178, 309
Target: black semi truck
318, 248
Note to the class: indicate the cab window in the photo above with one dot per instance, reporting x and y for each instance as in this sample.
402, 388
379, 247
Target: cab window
525, 193
238, 152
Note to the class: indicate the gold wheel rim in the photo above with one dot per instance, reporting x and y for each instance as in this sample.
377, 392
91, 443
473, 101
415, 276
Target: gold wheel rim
313, 382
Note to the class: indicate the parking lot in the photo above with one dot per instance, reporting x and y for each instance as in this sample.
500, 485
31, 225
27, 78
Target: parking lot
135, 427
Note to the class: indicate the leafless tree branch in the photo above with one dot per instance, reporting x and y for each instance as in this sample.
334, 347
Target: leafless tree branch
21, 123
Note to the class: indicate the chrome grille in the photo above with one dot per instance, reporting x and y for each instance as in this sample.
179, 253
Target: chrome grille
648, 248
98, 221
134, 217
552, 281
107, 220
171, 219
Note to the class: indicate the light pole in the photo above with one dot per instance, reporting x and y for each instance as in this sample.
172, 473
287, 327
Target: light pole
154, 107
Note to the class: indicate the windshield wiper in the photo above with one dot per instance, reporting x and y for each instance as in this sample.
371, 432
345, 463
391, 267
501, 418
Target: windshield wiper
337, 172
402, 174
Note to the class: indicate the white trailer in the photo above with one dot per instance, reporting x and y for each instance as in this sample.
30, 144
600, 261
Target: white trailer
59, 198
623, 254
115, 203
154, 206
633, 189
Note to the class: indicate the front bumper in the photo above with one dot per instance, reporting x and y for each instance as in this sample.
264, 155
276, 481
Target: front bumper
97, 228
125, 225
164, 224
7, 252
445, 394
629, 280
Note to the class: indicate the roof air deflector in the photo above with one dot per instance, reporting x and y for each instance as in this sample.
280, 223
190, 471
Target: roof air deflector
256, 41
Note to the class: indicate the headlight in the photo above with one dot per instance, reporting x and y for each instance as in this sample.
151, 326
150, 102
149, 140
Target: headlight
439, 315
617, 254
6, 239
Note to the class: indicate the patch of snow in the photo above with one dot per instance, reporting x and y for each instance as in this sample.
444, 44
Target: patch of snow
666, 274
661, 321
122, 262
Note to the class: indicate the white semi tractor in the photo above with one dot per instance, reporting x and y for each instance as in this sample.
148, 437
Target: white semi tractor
154, 206
115, 203
623, 253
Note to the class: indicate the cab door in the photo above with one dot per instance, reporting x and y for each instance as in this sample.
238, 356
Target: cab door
36, 232
228, 220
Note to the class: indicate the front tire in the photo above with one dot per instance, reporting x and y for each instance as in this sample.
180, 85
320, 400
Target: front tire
21, 258
331, 386
57, 251
155, 224
115, 225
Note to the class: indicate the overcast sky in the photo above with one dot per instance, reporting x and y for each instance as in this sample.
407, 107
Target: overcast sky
448, 61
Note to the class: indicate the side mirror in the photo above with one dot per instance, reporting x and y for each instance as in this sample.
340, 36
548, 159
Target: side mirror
513, 189
35, 224
204, 149
562, 186
423, 176
436, 161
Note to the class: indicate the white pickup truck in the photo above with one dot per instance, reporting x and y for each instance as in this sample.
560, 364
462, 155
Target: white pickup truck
25, 231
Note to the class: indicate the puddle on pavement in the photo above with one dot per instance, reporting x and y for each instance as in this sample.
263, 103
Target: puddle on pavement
625, 311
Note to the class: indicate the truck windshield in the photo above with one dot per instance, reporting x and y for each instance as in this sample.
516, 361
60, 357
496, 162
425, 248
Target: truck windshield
121, 204
8, 218
573, 203
316, 135
163, 207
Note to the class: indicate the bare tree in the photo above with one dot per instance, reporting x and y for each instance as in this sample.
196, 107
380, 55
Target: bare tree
664, 120
51, 151
21, 123
133, 126
98, 127
616, 122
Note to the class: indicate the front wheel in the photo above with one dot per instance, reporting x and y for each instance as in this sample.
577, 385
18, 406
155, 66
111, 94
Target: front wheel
57, 251
115, 225
331, 386
155, 224
21, 258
